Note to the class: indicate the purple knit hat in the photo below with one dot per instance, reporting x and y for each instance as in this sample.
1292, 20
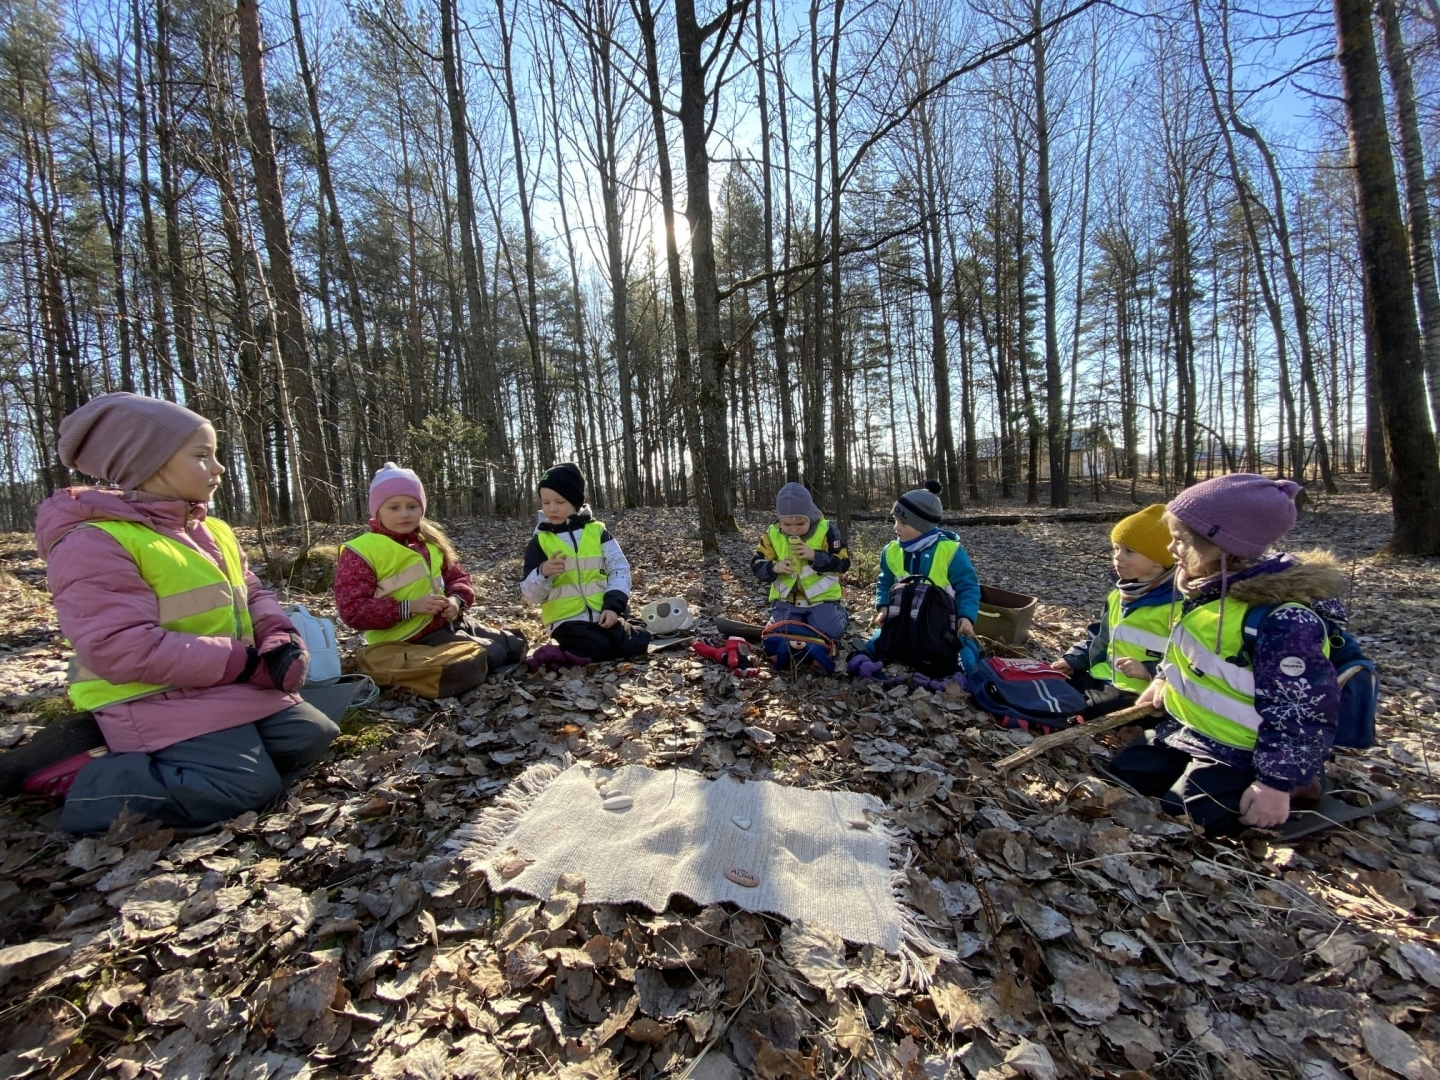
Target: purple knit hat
125, 438
1242, 513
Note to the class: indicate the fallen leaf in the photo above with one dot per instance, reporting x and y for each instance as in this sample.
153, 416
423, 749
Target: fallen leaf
1090, 993
1044, 922
1394, 1049
816, 953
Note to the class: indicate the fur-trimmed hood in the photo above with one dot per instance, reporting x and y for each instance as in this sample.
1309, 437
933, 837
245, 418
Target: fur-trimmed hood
1305, 577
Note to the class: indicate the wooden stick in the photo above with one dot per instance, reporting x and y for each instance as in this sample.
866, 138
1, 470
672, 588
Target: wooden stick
1073, 734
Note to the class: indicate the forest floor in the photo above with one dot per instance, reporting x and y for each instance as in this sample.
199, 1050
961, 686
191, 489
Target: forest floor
334, 936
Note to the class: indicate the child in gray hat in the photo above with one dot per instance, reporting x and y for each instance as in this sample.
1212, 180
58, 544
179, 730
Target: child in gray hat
802, 557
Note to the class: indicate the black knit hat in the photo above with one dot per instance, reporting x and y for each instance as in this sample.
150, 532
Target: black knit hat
567, 481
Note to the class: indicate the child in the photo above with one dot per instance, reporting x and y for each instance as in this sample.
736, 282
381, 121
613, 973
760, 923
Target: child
1125, 645
187, 663
403, 582
578, 575
802, 557
402, 544
922, 549
1249, 726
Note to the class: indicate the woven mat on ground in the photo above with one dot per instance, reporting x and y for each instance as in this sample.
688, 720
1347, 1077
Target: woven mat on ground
821, 857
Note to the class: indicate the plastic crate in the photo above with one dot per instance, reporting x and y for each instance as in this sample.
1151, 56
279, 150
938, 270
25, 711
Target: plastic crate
1005, 616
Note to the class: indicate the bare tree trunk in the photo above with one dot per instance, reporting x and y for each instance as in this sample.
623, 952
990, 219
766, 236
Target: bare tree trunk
159, 320
1054, 385
1247, 200
1399, 360
839, 396
290, 319
1417, 201
604, 142
689, 410
336, 220
478, 345
695, 96
250, 411
544, 421
182, 305
772, 300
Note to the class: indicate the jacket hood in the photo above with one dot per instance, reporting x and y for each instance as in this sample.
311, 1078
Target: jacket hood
1305, 577
74, 506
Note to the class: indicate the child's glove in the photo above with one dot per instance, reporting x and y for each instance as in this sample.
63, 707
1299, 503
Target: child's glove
278, 663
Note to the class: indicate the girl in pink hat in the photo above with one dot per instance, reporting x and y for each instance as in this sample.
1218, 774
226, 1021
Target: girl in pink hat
1250, 721
186, 667
402, 582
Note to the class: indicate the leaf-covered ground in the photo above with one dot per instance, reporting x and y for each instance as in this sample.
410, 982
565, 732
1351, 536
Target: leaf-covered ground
334, 936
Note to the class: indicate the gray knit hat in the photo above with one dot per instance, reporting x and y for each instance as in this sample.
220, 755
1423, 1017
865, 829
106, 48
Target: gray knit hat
920, 509
793, 500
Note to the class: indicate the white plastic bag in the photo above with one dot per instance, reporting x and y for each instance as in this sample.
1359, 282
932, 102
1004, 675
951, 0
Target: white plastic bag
319, 637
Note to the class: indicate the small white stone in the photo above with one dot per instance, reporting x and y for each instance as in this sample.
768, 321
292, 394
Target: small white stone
858, 823
741, 821
618, 802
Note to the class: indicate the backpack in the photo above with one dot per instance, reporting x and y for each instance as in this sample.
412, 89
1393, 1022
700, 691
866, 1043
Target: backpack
319, 637
919, 629
1359, 682
791, 643
1024, 694
669, 616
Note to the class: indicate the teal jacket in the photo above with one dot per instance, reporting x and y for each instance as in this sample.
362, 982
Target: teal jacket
920, 553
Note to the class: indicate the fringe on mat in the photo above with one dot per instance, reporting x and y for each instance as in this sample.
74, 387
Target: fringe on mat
478, 840
919, 936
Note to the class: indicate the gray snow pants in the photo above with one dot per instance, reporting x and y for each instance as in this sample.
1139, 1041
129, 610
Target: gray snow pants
203, 780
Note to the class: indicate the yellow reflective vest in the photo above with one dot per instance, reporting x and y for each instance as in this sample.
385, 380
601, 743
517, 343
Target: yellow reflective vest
581, 585
1204, 689
939, 572
401, 574
1140, 633
194, 596
809, 586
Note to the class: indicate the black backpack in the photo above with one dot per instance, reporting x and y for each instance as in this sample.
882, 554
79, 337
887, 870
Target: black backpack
919, 629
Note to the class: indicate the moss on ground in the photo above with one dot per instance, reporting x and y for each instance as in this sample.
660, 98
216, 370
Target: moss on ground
359, 731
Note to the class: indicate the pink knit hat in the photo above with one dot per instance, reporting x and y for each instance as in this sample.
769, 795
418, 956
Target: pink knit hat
392, 480
125, 438
1242, 513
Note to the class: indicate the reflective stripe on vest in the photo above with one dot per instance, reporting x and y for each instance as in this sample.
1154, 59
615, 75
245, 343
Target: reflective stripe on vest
192, 594
809, 587
580, 587
1203, 689
1137, 633
939, 572
401, 573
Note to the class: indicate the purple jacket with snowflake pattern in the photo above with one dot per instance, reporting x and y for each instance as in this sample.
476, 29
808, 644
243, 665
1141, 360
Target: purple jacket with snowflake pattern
1298, 712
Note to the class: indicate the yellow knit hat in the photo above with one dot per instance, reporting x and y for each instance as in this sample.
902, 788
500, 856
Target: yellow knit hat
1146, 533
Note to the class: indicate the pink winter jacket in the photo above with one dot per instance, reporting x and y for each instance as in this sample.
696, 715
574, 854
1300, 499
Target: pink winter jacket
112, 618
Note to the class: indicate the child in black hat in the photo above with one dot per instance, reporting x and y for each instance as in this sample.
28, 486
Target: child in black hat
578, 575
